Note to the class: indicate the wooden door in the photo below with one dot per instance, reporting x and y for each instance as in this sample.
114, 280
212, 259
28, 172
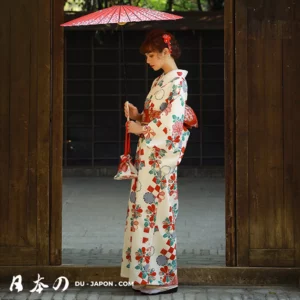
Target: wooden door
30, 144
267, 77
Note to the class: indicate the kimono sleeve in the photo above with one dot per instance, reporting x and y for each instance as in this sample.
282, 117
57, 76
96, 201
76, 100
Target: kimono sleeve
165, 131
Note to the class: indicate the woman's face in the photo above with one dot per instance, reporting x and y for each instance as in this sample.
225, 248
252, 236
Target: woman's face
155, 60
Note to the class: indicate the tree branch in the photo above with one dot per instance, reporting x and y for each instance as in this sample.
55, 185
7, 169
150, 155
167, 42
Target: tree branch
88, 5
169, 5
216, 4
181, 5
199, 5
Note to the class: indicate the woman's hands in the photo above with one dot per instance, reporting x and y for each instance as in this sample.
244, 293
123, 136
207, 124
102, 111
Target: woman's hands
132, 111
134, 127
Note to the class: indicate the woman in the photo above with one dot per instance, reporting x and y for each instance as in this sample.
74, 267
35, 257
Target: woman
149, 253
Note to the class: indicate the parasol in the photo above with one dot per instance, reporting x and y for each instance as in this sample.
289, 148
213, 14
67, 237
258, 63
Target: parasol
121, 14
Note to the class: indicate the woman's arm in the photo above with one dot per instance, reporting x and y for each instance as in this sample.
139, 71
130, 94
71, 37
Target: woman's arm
164, 132
139, 117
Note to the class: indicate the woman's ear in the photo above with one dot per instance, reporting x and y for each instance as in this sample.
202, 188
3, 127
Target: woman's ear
166, 51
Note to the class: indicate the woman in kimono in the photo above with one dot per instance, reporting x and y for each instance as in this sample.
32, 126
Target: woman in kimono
149, 254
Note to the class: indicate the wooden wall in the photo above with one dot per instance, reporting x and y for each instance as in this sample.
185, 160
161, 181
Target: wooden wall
30, 147
267, 76
262, 144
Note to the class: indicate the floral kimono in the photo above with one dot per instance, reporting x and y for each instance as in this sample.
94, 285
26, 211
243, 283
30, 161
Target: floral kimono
149, 253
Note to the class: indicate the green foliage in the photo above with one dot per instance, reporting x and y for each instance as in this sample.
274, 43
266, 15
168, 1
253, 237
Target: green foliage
162, 5
74, 5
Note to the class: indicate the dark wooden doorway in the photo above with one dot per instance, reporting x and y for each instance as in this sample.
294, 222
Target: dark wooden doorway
261, 123
31, 42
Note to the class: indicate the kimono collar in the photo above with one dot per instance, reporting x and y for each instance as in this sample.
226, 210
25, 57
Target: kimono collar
173, 74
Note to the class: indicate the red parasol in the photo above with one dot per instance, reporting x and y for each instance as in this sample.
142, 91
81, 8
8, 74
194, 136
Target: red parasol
121, 14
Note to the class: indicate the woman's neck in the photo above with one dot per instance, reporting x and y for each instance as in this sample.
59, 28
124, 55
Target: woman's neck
169, 67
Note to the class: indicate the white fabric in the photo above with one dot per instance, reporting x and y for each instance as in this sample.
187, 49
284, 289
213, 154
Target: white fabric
149, 253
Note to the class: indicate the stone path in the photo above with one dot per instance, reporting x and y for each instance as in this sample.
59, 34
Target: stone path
184, 293
94, 210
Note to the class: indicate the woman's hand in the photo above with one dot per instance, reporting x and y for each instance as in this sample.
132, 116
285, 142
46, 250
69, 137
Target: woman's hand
134, 127
132, 112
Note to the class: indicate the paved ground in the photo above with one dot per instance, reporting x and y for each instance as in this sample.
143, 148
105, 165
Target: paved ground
93, 222
184, 293
94, 211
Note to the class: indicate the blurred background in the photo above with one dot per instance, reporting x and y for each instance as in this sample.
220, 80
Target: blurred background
94, 87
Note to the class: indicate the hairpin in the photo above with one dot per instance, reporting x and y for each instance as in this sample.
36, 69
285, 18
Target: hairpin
167, 40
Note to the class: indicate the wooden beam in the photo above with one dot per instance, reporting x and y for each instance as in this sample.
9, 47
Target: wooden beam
5, 78
229, 116
43, 132
242, 134
56, 177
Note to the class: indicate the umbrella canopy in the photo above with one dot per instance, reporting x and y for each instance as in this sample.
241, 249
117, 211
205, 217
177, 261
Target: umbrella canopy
121, 14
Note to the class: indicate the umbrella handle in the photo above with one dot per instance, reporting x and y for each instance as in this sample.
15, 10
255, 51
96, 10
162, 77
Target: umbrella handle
127, 106
127, 134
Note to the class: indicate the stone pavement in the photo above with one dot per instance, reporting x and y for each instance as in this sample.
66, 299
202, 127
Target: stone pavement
94, 211
184, 293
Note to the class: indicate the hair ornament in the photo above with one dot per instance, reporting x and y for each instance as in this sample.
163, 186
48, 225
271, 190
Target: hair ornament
167, 40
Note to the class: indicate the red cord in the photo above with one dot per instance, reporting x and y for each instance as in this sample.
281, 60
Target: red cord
127, 142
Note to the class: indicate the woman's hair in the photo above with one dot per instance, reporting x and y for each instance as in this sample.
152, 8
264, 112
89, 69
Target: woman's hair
155, 42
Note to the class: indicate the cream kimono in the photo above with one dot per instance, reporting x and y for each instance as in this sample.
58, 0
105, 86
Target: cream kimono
149, 253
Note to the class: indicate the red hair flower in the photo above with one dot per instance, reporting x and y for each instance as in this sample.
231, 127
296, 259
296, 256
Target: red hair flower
167, 40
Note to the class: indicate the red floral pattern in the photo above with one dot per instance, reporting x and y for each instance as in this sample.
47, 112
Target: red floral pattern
153, 205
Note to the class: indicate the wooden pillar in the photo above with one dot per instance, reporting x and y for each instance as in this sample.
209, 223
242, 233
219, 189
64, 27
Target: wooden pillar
267, 72
31, 45
262, 122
